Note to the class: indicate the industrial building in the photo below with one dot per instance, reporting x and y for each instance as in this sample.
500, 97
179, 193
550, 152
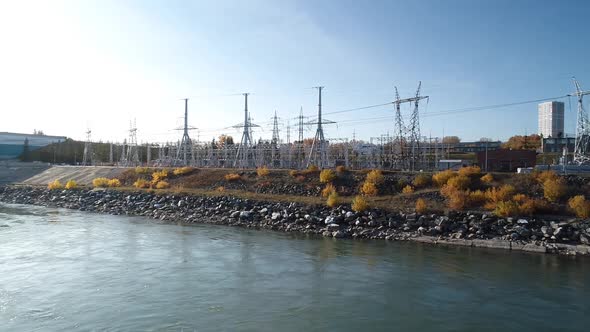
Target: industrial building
551, 118
12, 144
505, 160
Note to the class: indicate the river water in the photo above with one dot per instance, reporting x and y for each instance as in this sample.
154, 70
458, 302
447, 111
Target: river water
74, 271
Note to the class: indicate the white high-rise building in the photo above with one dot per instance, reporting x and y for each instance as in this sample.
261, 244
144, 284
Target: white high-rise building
551, 119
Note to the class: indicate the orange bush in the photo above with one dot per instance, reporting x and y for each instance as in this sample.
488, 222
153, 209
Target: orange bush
141, 183
441, 178
327, 175
232, 177
114, 183
499, 194
262, 171
554, 189
506, 209
293, 173
100, 182
408, 190
183, 170
333, 200
71, 184
470, 170
162, 185
488, 178
55, 185
369, 189
460, 182
375, 176
158, 176
477, 198
543, 176
421, 206
359, 204
328, 190
457, 199
580, 206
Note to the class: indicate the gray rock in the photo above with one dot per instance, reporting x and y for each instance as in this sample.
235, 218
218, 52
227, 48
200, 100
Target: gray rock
522, 221
245, 214
329, 220
275, 216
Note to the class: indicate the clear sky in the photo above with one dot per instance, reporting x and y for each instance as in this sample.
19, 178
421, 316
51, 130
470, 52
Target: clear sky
66, 66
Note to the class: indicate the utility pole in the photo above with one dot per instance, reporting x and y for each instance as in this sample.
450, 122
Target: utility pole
582, 145
319, 147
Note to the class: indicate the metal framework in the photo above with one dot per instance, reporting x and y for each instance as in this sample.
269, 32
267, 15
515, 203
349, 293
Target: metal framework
245, 156
318, 154
582, 145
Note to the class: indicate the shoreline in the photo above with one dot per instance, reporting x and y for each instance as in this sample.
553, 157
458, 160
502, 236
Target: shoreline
471, 229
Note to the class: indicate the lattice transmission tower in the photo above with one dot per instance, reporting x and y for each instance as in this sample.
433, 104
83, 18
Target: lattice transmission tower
245, 156
184, 154
319, 147
132, 157
582, 145
88, 153
408, 138
275, 141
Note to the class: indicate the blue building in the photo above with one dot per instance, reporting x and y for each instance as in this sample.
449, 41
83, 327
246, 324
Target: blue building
12, 144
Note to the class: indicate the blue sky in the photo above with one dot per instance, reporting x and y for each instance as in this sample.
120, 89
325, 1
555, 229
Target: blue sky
72, 65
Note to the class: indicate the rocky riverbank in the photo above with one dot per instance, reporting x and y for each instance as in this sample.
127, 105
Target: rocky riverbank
457, 228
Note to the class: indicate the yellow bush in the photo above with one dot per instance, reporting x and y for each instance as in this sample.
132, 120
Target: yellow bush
545, 175
441, 178
495, 195
220, 189
162, 185
54, 185
527, 206
359, 204
293, 173
459, 182
421, 180
470, 170
519, 198
369, 189
114, 183
333, 200
554, 189
100, 182
141, 183
232, 177
182, 170
142, 170
375, 176
71, 184
262, 171
328, 190
580, 206
312, 168
477, 198
340, 169
506, 209
327, 175
421, 206
158, 176
408, 190
488, 178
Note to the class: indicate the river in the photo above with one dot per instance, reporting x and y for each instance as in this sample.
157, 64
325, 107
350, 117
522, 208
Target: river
75, 271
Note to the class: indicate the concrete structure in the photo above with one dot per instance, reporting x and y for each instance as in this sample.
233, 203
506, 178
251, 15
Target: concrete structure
556, 145
12, 144
453, 164
505, 160
551, 116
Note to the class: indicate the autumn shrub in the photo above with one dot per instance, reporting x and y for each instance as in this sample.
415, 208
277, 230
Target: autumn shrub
114, 183
359, 204
162, 185
458, 199
477, 198
327, 175
519, 198
580, 206
498, 194
506, 209
340, 169
293, 173
421, 206
469, 170
421, 181
543, 176
369, 189
220, 189
311, 169
232, 177
100, 183
554, 189
71, 184
375, 176
333, 200
328, 190
142, 170
408, 190
460, 182
526, 206
441, 178
488, 178
54, 185
262, 171
141, 183
158, 176
183, 170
